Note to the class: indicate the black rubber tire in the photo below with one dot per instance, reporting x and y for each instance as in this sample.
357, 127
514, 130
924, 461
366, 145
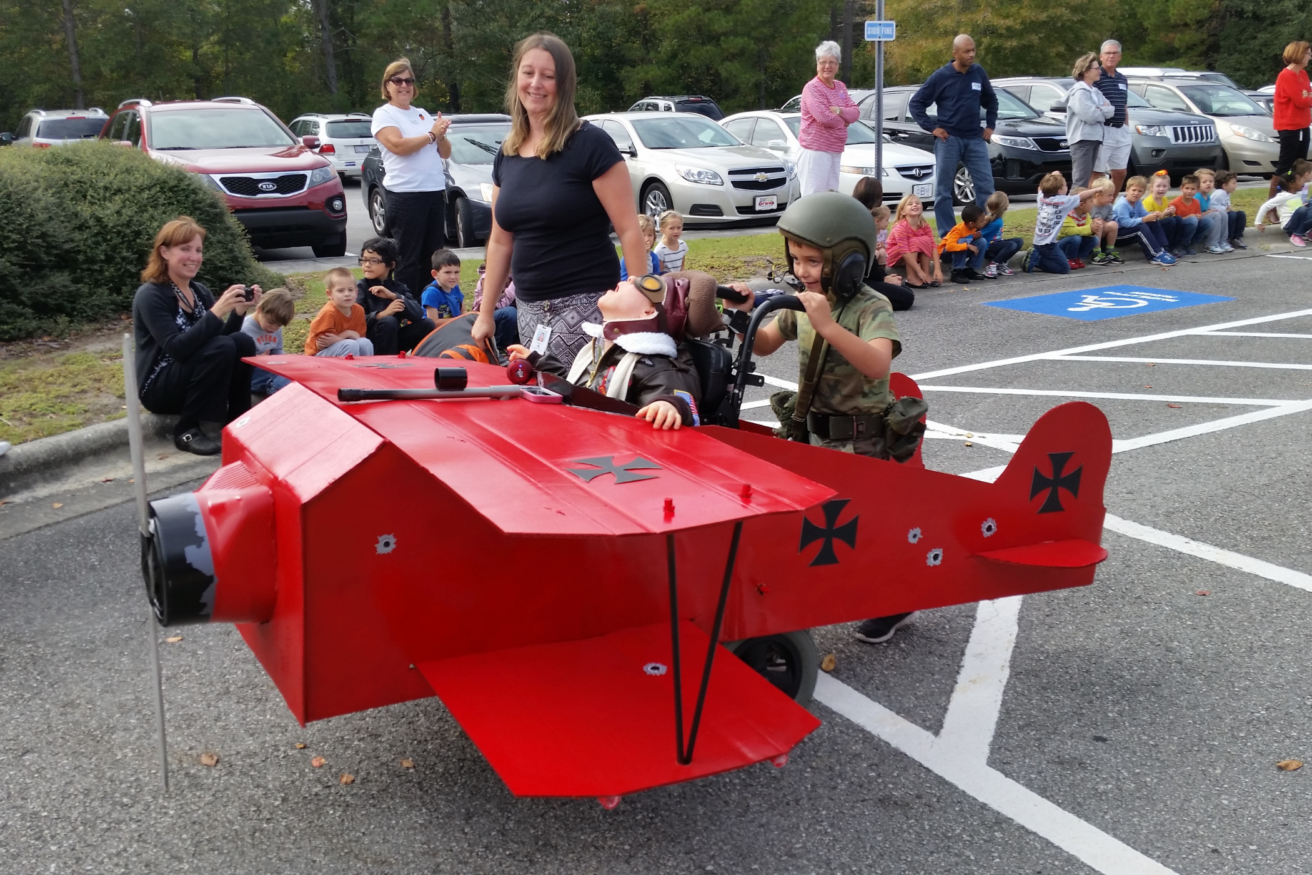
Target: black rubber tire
789, 660
378, 211
465, 236
331, 250
653, 196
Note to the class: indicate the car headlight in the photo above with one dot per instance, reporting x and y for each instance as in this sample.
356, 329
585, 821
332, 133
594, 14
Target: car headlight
792, 169
1015, 142
861, 171
698, 175
320, 175
211, 182
485, 189
1250, 134
1150, 130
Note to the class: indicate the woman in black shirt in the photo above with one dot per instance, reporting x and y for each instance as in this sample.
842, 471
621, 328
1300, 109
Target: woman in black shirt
557, 185
190, 346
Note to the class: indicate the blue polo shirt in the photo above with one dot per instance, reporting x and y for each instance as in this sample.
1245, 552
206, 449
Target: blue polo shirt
1115, 87
957, 98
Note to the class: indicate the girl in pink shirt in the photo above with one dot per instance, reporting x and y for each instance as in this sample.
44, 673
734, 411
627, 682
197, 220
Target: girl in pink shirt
911, 241
826, 112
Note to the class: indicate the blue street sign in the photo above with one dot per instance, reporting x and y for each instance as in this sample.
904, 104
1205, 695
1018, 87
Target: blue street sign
881, 31
1107, 302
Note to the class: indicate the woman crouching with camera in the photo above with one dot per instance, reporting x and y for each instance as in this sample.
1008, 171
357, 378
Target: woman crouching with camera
189, 345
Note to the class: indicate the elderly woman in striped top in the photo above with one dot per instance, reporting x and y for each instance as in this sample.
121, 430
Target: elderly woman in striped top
826, 113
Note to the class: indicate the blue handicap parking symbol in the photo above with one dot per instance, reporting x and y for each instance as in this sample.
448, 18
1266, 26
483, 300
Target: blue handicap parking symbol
1107, 302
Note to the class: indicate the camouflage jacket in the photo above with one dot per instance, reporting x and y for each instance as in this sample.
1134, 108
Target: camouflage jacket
842, 390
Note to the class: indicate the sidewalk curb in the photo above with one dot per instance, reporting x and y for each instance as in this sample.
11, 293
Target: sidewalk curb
33, 461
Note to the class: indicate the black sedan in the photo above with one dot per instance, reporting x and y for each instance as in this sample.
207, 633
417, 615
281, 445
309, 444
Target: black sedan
1026, 144
475, 140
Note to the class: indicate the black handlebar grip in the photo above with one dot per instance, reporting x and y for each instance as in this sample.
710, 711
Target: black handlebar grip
351, 394
730, 294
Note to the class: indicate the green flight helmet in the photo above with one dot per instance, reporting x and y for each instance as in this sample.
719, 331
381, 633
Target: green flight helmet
840, 227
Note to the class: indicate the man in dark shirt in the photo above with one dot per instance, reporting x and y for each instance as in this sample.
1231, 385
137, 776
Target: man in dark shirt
957, 91
1114, 153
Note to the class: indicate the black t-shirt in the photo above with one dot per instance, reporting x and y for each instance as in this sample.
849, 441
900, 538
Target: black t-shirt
562, 244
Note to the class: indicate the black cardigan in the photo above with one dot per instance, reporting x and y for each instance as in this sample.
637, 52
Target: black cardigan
153, 310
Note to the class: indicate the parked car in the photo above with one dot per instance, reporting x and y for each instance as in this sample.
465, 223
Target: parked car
44, 128
905, 171
475, 139
686, 162
794, 104
344, 138
1026, 146
1175, 73
275, 184
680, 103
1247, 132
1176, 142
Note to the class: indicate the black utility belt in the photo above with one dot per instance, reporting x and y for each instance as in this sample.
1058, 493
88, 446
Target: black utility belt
845, 428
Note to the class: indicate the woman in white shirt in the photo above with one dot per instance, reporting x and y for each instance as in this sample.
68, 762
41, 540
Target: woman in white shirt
413, 144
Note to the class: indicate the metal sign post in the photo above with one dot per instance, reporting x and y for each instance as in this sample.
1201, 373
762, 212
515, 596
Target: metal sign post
879, 32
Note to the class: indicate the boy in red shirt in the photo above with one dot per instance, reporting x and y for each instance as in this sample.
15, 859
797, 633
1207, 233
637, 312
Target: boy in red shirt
339, 328
1187, 205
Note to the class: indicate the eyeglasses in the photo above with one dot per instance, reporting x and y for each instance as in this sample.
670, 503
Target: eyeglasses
398, 81
364, 260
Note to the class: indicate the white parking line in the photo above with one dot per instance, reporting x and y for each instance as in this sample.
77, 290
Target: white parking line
1157, 361
1254, 334
1113, 396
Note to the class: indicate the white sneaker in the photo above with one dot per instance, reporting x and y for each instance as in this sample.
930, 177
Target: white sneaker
1226, 247
991, 269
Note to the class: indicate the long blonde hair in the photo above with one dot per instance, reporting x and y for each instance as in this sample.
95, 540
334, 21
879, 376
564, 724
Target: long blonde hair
900, 213
564, 119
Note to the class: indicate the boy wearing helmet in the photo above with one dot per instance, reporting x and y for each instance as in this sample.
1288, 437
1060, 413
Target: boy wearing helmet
829, 240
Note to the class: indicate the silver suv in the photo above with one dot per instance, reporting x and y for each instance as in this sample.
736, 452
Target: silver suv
44, 128
344, 138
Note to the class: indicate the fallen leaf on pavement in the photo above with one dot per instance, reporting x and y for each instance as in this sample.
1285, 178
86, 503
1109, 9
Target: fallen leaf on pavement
162, 456
1152, 364
1147, 387
1289, 765
1203, 592
407, 763
1174, 406
300, 745
969, 444
106, 479
346, 779
829, 662
209, 759
57, 505
317, 762
3, 502
173, 639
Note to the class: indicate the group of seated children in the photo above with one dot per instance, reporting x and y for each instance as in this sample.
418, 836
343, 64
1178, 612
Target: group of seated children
1289, 208
669, 254
975, 244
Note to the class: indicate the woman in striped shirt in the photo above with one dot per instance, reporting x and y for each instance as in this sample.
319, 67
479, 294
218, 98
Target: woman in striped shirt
826, 113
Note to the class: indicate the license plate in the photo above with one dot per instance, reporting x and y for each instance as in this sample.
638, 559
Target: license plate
767, 202
362, 150
922, 190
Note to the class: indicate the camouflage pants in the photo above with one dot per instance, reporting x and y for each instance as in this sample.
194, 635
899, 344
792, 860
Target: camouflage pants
871, 446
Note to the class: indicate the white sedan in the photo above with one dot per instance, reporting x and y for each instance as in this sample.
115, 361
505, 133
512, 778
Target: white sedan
906, 170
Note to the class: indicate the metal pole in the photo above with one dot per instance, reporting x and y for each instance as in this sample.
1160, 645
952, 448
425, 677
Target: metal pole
879, 98
143, 525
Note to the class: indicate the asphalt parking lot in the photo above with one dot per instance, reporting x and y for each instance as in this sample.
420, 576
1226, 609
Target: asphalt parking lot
1128, 727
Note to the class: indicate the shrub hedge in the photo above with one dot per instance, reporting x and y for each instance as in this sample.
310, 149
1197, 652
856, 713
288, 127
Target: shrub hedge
76, 226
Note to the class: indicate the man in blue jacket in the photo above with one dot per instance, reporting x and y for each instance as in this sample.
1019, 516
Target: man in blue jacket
957, 91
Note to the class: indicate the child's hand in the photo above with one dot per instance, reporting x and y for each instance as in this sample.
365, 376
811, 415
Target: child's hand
973, 248
1097, 226
349, 335
742, 289
517, 352
893, 279
663, 414
396, 306
382, 292
817, 310
323, 341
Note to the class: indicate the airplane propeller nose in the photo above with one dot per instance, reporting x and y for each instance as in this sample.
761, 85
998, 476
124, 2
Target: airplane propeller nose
176, 562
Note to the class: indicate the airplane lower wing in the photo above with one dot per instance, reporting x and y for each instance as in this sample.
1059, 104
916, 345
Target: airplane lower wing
1073, 553
595, 717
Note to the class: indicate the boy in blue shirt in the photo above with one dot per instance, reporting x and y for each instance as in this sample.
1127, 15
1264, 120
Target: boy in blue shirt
442, 299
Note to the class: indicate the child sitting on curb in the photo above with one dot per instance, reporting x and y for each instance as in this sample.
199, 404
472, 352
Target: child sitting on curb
275, 310
1076, 239
1105, 228
442, 299
1134, 220
338, 329
1000, 250
966, 244
1289, 206
1054, 205
648, 229
911, 241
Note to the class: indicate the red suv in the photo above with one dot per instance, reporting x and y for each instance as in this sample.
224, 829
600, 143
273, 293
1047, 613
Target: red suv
275, 184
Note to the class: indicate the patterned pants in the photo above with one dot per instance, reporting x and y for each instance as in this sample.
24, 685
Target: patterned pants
565, 317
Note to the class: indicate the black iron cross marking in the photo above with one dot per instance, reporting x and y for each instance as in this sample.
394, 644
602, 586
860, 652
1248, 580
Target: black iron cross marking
830, 533
606, 465
1057, 482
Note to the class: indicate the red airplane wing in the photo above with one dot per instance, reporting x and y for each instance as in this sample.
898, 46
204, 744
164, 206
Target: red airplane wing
595, 717
551, 469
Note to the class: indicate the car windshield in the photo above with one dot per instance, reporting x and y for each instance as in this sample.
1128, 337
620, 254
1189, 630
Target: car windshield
1220, 100
476, 144
352, 130
228, 128
702, 107
1133, 100
70, 128
682, 133
1010, 106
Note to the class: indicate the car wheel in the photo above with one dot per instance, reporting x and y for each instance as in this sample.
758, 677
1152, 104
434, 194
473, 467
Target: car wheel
963, 187
378, 211
330, 250
656, 200
465, 236
1224, 163
790, 661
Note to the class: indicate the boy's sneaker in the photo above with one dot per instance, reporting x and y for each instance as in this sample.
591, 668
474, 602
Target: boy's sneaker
991, 270
1114, 255
1297, 240
1100, 259
1002, 269
976, 275
1189, 250
1226, 247
1216, 250
960, 278
880, 629
1031, 256
1238, 244
1165, 259
1075, 265
1079, 264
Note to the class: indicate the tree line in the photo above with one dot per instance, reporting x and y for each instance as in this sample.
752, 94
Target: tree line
299, 56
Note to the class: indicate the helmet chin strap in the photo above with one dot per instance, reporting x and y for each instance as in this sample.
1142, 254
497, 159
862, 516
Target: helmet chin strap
612, 329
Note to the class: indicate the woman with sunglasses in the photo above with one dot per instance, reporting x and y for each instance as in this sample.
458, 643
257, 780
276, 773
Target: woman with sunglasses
413, 144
